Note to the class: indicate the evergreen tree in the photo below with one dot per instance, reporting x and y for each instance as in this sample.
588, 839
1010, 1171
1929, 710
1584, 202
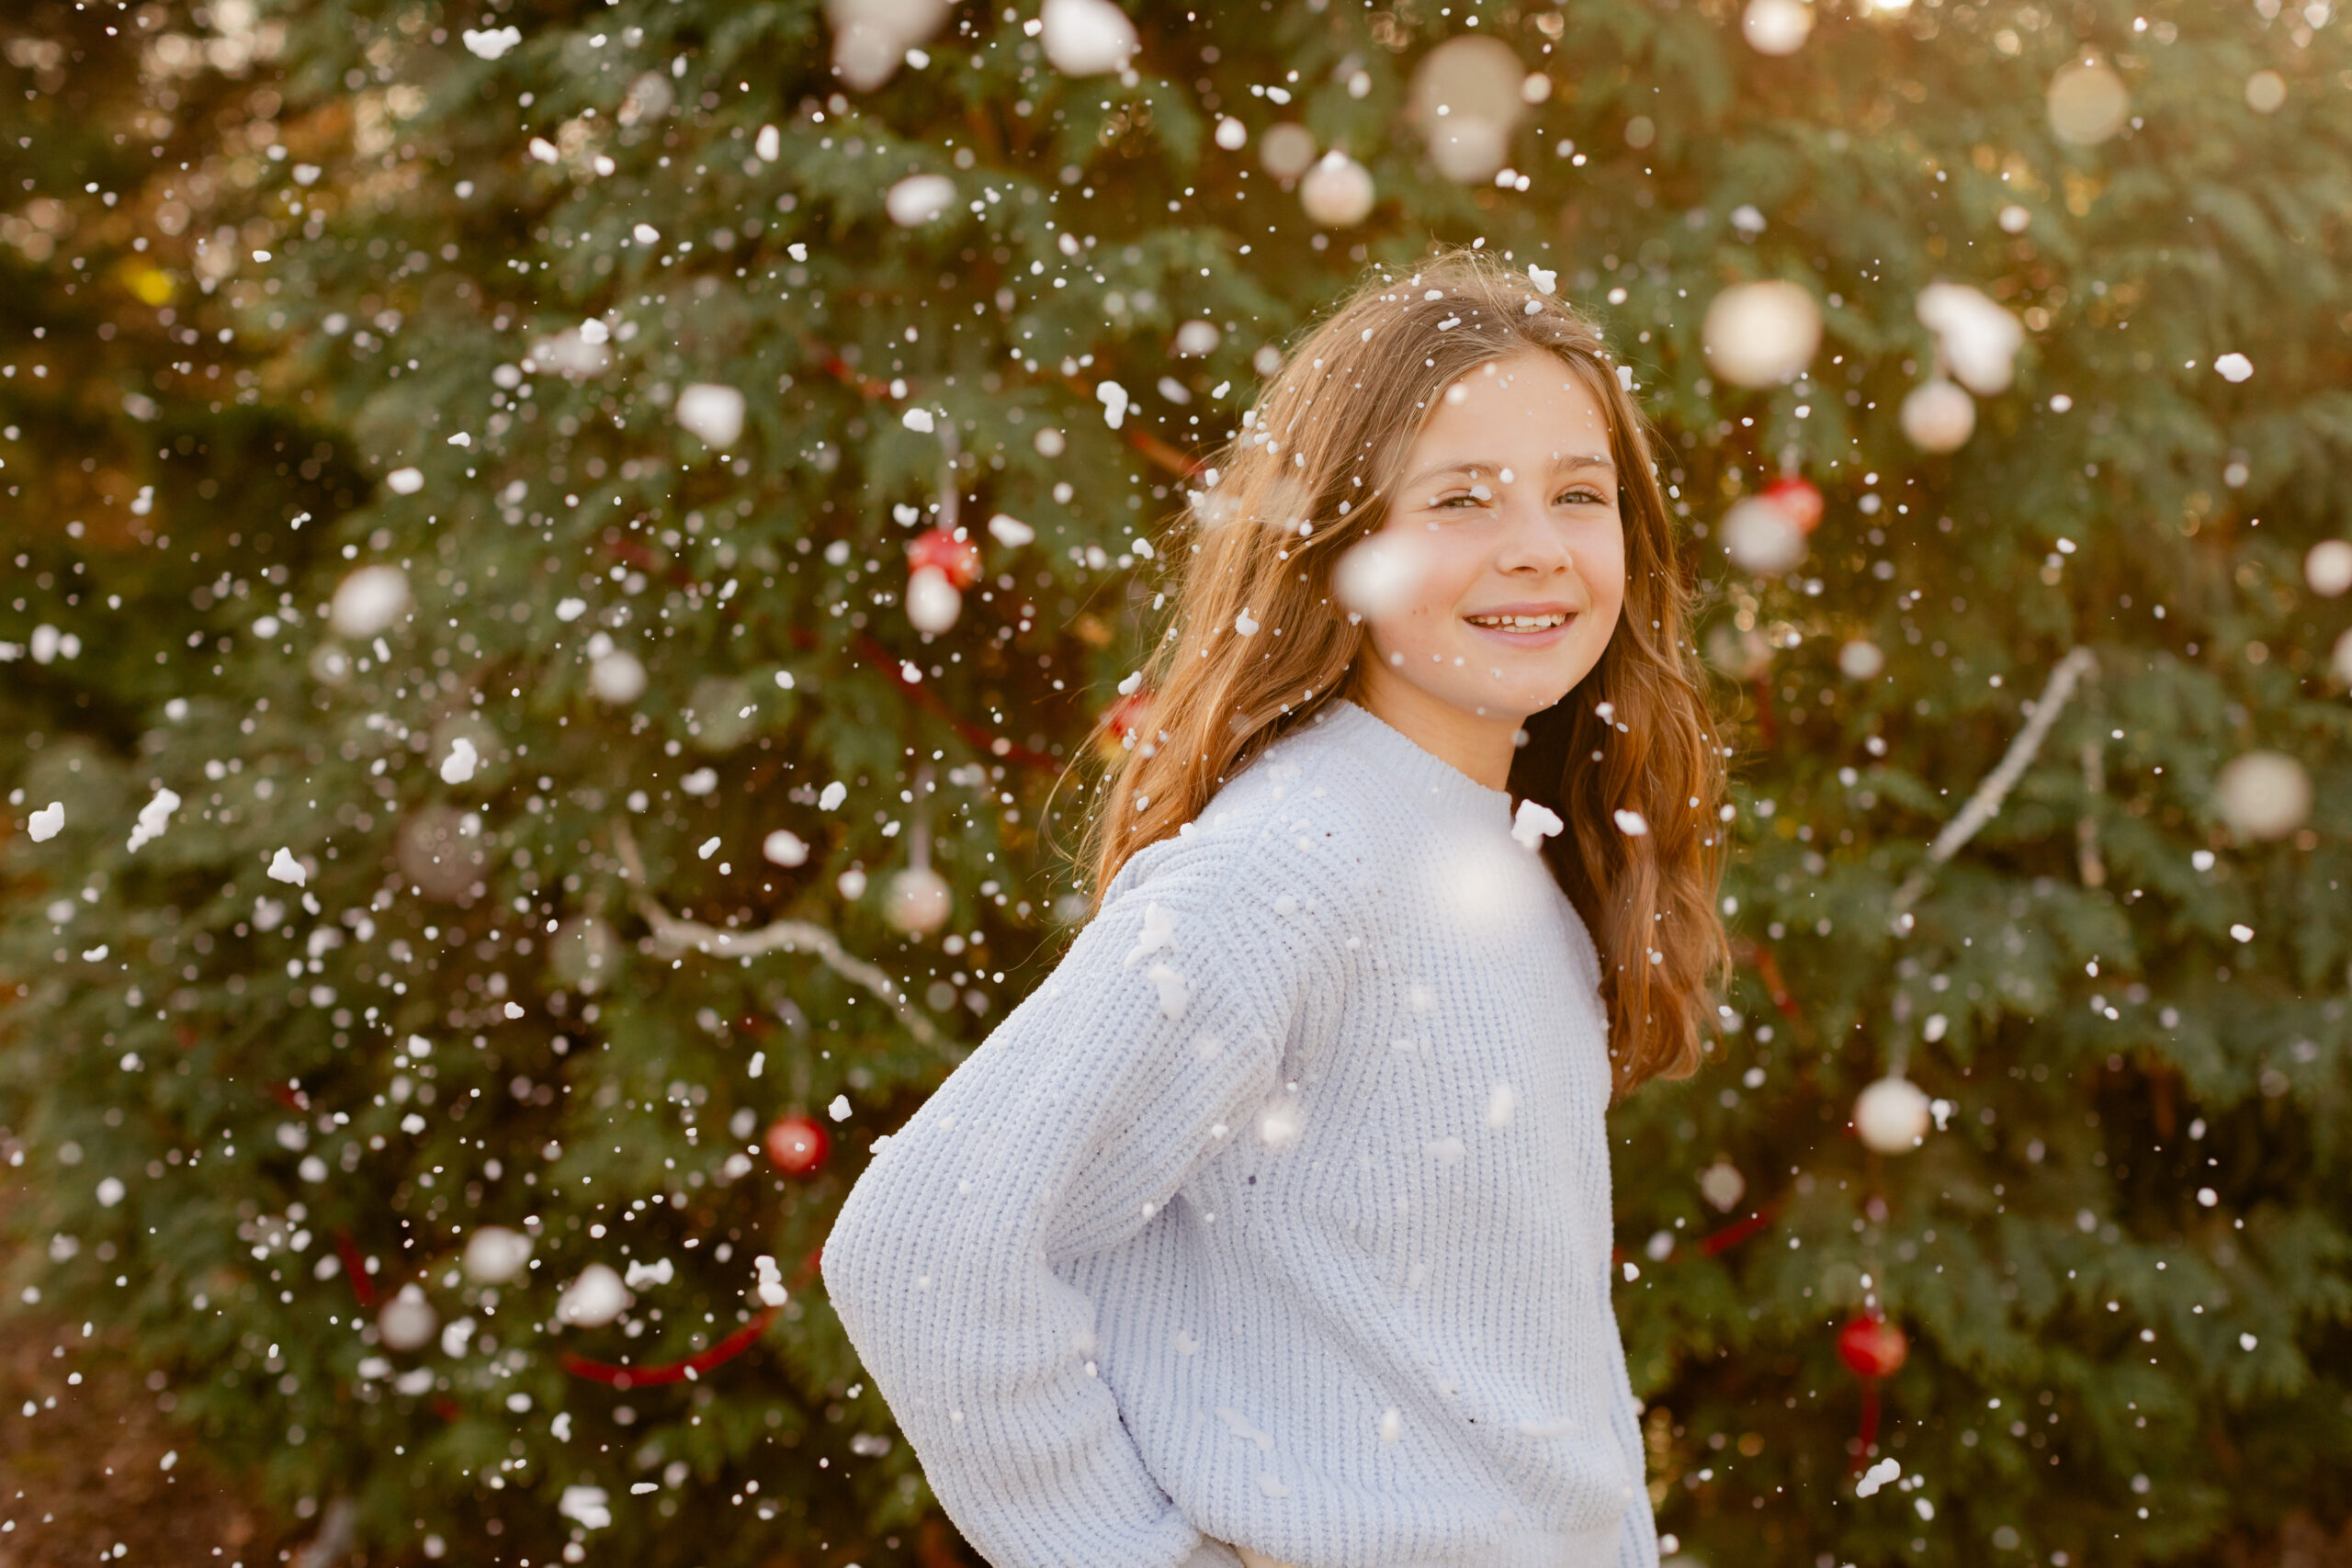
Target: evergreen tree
777, 425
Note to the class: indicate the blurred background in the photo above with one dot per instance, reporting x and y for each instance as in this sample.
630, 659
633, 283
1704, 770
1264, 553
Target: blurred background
568, 573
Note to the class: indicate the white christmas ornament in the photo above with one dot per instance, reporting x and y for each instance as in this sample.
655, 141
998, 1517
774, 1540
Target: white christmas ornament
1937, 415
407, 1321
1336, 192
592, 1300
1760, 334
933, 602
1231, 134
1979, 339
1087, 38
617, 677
1466, 98
917, 199
2234, 366
784, 847
1287, 149
2263, 795
2328, 567
368, 601
1860, 659
1776, 26
46, 823
1892, 1115
871, 37
1195, 338
2088, 103
585, 954
495, 1255
711, 412
1761, 538
405, 481
918, 901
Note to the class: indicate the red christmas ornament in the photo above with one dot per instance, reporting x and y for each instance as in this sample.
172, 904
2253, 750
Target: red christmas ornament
1799, 502
957, 559
797, 1144
1872, 1347
1120, 719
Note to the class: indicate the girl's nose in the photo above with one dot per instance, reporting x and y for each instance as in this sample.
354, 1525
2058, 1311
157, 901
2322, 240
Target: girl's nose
1530, 537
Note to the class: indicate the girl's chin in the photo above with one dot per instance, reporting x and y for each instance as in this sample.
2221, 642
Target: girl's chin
1512, 699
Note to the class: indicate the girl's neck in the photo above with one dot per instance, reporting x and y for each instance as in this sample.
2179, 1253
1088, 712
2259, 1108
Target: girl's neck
1480, 745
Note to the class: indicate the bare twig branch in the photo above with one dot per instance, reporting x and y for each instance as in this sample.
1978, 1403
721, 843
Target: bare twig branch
2003, 777
676, 937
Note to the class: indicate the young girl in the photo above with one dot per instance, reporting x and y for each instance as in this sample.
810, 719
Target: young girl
1274, 1226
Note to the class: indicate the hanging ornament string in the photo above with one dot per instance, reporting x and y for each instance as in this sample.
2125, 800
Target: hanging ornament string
1997, 783
941, 598
919, 900
674, 937
2087, 859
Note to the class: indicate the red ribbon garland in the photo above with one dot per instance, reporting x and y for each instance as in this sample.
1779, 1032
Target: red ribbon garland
627, 1378
1740, 1230
362, 1288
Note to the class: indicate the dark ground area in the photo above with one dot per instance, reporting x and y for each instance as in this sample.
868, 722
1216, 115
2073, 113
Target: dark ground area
82, 1479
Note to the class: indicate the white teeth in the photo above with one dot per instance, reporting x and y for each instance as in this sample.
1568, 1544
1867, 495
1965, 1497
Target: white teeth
1518, 623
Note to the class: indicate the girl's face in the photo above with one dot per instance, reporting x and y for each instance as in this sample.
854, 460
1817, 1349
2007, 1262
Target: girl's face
1507, 514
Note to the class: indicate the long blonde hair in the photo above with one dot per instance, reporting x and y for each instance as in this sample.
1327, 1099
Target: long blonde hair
1323, 446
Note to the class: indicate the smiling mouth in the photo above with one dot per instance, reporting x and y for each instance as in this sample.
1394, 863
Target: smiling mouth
1524, 626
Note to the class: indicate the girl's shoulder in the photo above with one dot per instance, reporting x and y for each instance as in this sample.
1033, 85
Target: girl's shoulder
1292, 831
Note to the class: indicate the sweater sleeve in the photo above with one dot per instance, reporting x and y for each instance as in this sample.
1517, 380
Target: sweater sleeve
1149, 1048
1638, 1538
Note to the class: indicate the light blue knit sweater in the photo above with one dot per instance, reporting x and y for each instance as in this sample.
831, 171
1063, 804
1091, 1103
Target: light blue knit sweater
1278, 1213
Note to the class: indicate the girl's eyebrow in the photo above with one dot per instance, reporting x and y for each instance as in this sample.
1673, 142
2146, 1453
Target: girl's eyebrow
1569, 462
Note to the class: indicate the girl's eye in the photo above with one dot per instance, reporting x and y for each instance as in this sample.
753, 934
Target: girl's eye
1581, 496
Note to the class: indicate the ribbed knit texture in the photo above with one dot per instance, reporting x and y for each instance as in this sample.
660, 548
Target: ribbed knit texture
1278, 1213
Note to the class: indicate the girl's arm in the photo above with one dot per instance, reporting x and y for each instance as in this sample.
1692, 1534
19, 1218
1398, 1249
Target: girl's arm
1149, 1048
1638, 1542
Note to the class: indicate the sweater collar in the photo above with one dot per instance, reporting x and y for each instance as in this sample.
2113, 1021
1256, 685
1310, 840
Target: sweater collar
1426, 778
